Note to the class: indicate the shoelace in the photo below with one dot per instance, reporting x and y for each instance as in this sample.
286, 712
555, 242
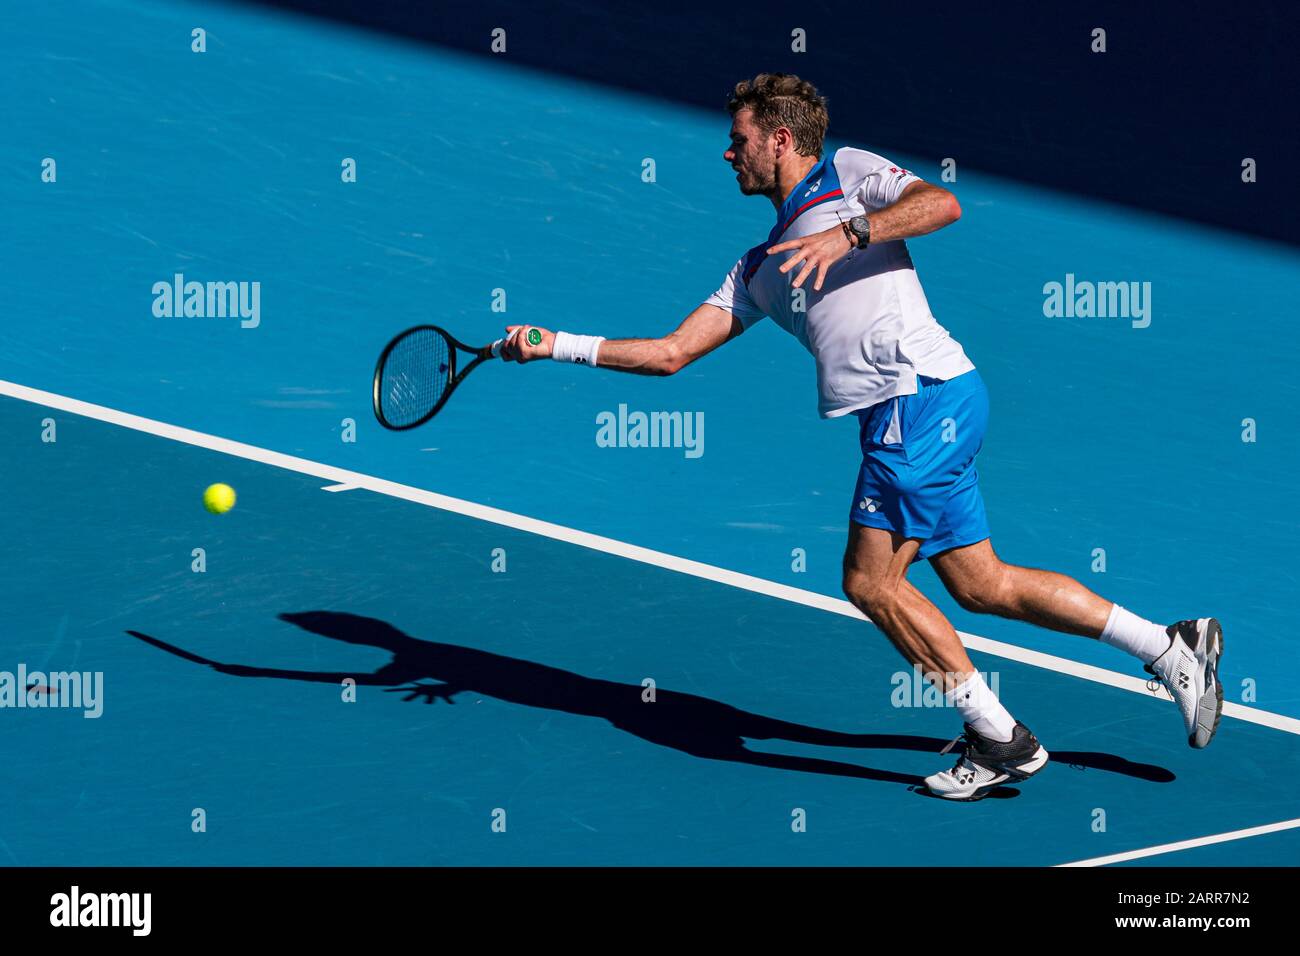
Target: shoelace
1155, 683
952, 743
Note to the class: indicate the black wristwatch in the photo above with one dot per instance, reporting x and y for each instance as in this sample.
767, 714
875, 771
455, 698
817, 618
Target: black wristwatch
860, 227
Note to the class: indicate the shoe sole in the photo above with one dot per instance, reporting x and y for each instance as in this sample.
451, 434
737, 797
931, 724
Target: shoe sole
1210, 702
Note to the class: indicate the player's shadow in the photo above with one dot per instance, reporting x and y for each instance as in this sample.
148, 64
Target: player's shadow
685, 722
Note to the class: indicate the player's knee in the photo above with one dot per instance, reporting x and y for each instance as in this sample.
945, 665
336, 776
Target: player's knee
973, 599
870, 595
986, 593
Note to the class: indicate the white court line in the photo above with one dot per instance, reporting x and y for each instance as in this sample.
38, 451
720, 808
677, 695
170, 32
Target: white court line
1186, 844
344, 487
595, 542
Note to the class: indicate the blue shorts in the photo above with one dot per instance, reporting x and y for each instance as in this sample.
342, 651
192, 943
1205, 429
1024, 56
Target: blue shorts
918, 474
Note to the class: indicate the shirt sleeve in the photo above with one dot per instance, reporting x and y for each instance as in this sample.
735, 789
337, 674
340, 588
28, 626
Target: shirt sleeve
734, 297
870, 181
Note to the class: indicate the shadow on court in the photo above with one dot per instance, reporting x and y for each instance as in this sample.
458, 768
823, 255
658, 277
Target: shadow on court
685, 722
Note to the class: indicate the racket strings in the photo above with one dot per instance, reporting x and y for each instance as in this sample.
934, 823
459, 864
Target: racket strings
415, 376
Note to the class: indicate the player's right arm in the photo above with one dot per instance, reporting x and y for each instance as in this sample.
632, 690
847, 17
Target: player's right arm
700, 333
719, 319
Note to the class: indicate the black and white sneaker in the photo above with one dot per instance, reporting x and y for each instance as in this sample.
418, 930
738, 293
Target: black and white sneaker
986, 763
1190, 672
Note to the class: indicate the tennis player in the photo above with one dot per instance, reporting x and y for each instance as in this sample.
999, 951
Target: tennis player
835, 273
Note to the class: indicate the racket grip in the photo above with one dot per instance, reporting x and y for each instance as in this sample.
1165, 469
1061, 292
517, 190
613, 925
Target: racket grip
495, 347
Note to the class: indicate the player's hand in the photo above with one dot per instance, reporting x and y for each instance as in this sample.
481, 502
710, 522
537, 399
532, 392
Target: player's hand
819, 251
524, 343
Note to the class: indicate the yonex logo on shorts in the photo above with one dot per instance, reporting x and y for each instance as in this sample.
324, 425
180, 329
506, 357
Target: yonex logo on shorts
866, 504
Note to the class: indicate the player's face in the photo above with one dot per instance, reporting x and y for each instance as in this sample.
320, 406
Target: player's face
752, 156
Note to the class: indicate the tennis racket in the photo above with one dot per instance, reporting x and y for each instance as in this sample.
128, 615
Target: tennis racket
418, 371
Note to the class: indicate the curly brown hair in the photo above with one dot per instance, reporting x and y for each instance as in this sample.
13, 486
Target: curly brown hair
782, 99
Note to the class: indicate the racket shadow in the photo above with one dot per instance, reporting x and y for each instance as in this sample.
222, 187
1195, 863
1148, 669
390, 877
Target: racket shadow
423, 670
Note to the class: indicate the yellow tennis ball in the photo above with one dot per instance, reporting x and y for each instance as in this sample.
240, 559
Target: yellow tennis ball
219, 498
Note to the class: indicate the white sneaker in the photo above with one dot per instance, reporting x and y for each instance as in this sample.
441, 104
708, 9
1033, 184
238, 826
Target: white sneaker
985, 763
1190, 671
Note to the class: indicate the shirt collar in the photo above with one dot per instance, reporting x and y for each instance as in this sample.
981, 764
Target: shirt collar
789, 210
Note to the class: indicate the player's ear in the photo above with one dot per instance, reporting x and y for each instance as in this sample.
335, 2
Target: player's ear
784, 141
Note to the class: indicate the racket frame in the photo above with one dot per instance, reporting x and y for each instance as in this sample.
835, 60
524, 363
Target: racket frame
454, 377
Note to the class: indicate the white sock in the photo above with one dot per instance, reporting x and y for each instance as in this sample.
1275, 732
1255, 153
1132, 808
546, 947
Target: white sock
981, 708
1135, 635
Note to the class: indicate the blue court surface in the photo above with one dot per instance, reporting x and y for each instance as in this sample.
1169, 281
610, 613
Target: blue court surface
499, 584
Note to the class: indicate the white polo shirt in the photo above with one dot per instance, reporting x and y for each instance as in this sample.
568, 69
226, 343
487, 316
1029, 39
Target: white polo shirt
869, 329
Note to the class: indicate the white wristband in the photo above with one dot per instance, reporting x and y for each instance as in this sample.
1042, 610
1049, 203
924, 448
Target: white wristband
580, 349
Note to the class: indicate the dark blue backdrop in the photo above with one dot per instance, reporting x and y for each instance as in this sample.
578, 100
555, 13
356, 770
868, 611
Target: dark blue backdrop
1162, 120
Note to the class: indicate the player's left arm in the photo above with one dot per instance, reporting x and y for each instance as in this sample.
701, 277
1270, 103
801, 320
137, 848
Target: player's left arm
921, 208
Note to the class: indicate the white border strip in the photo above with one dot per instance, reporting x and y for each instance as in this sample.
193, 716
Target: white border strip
1186, 844
708, 572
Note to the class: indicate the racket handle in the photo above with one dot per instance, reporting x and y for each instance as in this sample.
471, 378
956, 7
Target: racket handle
495, 347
